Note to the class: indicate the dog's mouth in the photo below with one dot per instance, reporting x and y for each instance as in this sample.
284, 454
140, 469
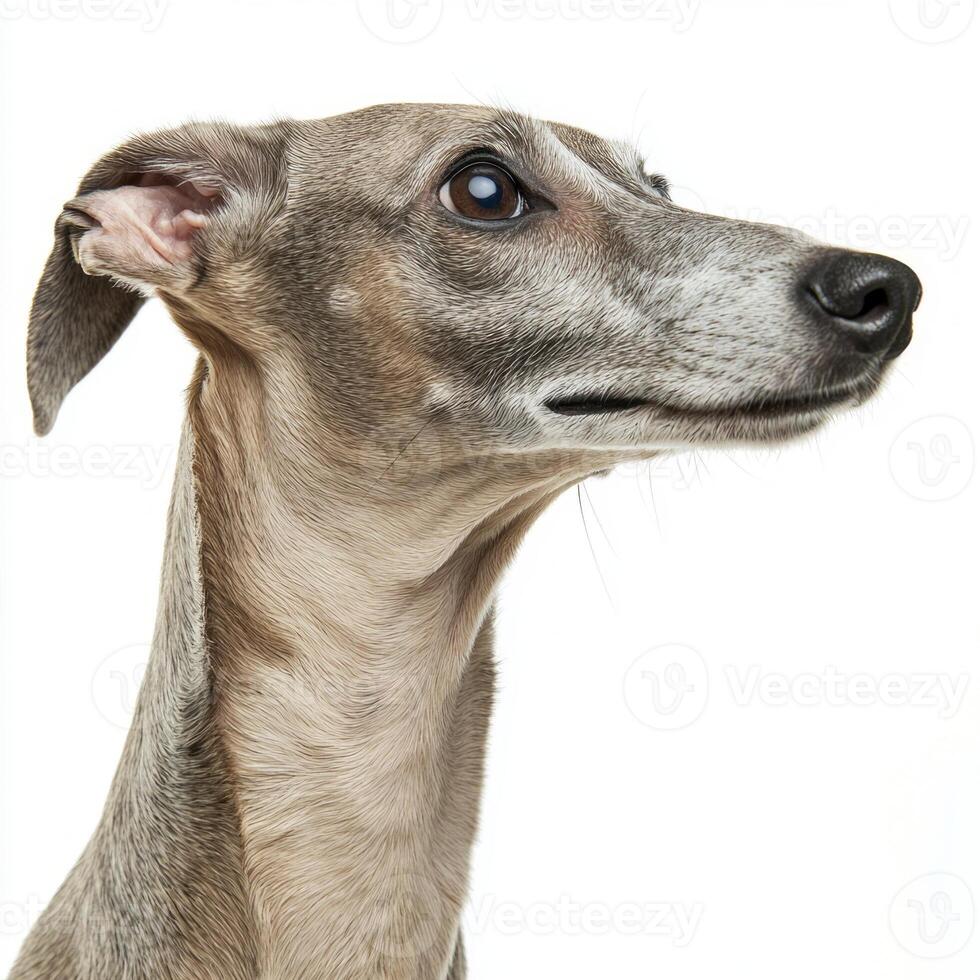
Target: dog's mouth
766, 406
594, 404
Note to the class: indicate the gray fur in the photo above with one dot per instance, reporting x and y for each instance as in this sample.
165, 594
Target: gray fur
367, 443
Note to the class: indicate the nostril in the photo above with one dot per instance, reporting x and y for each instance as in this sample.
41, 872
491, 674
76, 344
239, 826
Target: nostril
850, 299
874, 303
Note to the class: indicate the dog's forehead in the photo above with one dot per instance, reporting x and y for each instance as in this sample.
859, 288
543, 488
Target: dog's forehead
412, 141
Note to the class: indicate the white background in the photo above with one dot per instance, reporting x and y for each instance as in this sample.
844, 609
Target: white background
784, 834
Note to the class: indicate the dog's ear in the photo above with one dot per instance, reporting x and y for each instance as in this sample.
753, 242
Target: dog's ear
141, 221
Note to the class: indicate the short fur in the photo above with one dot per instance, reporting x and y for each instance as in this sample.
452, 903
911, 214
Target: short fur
368, 440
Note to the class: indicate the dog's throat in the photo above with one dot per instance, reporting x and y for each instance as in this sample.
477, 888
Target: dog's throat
353, 702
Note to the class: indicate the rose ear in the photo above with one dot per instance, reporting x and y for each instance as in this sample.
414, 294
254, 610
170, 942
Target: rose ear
141, 234
138, 223
111, 247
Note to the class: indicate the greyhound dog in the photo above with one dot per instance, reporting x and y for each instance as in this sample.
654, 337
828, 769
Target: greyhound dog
417, 326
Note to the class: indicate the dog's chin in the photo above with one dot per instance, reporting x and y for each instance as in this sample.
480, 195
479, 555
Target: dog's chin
774, 419
757, 429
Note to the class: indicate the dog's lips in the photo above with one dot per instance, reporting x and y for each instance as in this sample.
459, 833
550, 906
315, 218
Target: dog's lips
762, 407
776, 406
594, 404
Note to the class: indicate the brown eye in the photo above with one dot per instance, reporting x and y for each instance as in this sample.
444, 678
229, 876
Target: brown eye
482, 191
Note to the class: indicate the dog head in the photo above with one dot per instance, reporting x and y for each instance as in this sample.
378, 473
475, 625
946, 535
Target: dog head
508, 286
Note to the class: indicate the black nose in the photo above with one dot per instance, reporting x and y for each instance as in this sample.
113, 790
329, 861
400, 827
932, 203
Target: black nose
869, 299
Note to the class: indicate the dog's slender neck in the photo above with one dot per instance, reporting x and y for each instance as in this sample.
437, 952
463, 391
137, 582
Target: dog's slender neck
299, 792
347, 624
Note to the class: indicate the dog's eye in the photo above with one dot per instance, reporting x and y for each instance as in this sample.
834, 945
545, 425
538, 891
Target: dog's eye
483, 191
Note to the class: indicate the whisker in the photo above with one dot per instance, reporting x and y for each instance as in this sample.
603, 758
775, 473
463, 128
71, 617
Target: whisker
588, 537
595, 514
